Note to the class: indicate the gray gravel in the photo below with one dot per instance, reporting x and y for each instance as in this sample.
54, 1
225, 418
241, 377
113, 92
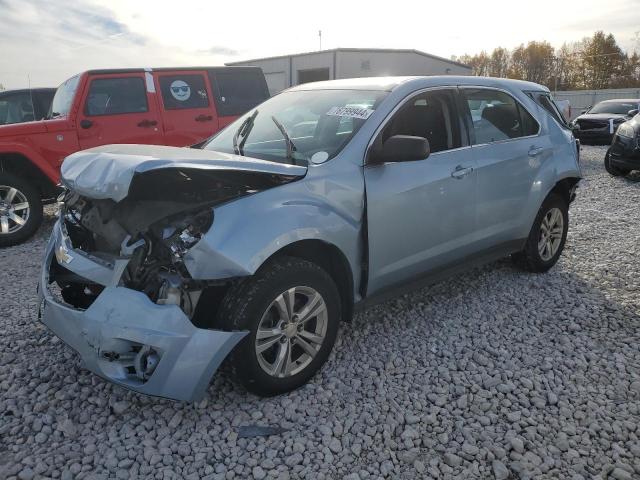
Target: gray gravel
494, 374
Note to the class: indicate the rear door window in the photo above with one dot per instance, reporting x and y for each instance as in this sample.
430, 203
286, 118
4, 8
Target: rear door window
116, 96
236, 92
183, 91
497, 116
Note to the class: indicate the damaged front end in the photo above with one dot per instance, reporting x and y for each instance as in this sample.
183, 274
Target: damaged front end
114, 285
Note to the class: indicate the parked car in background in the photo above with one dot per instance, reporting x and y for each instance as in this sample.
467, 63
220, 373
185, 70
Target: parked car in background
26, 105
624, 154
166, 106
597, 124
164, 260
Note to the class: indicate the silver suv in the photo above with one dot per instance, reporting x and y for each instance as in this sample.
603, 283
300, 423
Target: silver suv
327, 197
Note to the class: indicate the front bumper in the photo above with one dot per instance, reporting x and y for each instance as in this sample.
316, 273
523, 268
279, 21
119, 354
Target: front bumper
116, 335
596, 135
625, 152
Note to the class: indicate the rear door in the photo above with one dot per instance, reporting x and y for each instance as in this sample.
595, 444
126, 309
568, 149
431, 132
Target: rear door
421, 214
237, 90
188, 113
118, 108
508, 148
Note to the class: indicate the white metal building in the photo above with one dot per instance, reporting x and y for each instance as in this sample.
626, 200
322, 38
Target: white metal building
288, 70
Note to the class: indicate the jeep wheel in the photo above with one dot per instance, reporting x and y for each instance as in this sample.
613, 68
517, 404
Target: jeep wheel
20, 210
291, 308
615, 171
547, 237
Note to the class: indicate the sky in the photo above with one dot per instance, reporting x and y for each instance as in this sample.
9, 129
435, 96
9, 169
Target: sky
43, 42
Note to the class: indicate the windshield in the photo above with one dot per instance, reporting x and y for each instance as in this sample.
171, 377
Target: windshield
63, 98
319, 123
613, 107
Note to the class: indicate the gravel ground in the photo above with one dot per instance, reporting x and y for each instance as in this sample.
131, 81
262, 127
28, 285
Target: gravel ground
494, 374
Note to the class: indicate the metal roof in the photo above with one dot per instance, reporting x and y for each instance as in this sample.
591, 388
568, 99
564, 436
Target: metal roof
371, 50
163, 69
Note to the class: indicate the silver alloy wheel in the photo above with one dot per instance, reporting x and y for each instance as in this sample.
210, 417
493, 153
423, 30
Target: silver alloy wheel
291, 331
551, 230
14, 210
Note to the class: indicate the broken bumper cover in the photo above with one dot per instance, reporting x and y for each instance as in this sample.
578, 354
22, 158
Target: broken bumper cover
123, 332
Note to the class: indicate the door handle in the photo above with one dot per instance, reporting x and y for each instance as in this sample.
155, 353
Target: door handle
461, 172
147, 123
535, 151
204, 118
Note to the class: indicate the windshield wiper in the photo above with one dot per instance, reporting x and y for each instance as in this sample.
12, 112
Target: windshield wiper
243, 130
290, 145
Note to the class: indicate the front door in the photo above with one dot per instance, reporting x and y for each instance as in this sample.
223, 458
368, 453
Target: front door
188, 113
118, 109
421, 214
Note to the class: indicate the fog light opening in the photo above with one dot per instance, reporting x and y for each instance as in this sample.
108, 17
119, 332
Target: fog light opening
146, 362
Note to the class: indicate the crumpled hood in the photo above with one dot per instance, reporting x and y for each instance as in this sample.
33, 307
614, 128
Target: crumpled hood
107, 172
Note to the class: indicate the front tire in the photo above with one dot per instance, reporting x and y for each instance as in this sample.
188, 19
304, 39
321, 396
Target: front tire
611, 169
547, 237
20, 210
291, 308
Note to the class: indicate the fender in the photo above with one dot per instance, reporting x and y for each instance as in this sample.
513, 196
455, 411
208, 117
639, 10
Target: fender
235, 247
36, 159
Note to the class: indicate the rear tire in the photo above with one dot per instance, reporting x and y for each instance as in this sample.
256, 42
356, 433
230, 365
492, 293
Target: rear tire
286, 344
20, 209
547, 236
612, 170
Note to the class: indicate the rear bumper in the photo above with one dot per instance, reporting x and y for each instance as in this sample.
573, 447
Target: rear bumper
123, 333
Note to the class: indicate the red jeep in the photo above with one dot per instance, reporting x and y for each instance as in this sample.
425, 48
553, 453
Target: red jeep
165, 106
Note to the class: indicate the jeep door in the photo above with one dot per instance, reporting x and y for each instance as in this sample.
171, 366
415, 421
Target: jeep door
421, 214
119, 108
188, 113
508, 148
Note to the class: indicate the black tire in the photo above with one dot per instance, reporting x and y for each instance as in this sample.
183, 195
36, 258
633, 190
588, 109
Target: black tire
612, 170
34, 219
244, 306
530, 258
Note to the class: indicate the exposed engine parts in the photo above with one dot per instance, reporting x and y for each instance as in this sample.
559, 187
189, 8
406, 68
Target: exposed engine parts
156, 264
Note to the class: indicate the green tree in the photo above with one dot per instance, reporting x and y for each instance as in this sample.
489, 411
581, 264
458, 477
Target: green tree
603, 61
534, 62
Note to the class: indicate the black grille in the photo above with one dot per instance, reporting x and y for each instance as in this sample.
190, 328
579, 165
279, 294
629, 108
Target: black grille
592, 124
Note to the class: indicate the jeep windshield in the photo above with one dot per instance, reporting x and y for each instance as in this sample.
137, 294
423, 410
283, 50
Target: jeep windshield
63, 98
318, 124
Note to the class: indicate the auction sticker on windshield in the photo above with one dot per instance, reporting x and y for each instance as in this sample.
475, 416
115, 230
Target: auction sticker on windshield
353, 112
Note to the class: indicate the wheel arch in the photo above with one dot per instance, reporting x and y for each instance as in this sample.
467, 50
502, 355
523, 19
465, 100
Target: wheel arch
565, 188
21, 165
331, 259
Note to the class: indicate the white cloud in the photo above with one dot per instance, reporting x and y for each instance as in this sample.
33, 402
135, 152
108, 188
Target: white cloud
51, 41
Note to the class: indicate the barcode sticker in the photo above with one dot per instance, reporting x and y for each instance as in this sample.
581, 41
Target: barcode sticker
353, 112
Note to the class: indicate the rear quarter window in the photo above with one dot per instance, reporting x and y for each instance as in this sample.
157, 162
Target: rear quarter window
183, 91
237, 92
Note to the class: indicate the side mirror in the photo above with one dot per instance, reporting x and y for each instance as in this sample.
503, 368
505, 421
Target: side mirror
584, 111
401, 148
632, 113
